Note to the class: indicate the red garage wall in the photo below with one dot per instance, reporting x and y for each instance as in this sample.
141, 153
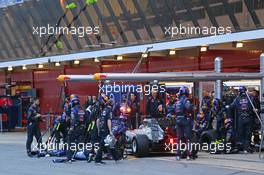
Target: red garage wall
48, 89
161, 64
21, 76
83, 89
232, 60
2, 80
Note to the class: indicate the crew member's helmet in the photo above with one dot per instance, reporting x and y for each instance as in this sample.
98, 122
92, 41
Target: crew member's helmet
200, 116
242, 90
73, 96
105, 97
184, 91
75, 101
160, 108
228, 122
110, 141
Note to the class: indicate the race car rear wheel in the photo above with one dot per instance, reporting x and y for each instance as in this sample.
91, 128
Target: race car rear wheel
140, 146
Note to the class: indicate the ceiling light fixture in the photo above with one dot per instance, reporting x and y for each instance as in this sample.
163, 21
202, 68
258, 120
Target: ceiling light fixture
10, 68
203, 49
40, 66
172, 52
96, 60
239, 45
144, 55
119, 57
57, 64
76, 62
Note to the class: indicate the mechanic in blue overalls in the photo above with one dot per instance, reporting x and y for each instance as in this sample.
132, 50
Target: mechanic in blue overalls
206, 106
217, 113
59, 129
184, 108
104, 127
171, 107
93, 111
245, 118
155, 106
200, 124
77, 127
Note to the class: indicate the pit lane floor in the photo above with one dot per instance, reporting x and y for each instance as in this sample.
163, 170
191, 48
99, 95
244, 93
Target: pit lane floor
13, 161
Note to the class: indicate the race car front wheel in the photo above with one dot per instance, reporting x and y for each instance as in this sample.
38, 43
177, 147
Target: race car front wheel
140, 146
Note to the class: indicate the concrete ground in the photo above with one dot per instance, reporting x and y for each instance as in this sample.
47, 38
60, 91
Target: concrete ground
13, 161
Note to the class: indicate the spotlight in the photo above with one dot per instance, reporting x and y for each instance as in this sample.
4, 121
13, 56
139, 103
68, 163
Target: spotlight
172, 52
203, 49
239, 44
40, 66
57, 64
119, 57
96, 60
144, 55
76, 62
24, 67
10, 68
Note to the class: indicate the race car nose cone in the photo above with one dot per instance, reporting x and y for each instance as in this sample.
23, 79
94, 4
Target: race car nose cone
63, 78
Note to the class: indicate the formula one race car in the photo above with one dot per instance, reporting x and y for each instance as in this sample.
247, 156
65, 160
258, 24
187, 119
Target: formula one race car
154, 135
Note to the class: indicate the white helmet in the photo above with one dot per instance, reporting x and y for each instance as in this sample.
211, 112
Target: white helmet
110, 141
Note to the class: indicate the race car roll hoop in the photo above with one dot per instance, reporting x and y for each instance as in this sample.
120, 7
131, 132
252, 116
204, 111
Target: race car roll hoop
215, 75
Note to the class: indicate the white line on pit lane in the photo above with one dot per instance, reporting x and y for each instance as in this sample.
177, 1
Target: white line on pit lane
170, 159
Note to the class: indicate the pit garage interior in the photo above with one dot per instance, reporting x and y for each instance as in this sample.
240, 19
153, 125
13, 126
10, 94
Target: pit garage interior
31, 64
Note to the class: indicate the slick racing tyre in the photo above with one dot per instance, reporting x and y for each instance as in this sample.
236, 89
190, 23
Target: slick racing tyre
140, 146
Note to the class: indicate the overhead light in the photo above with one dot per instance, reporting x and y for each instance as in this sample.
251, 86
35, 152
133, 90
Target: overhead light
40, 66
203, 48
24, 67
57, 64
239, 45
119, 57
172, 52
76, 62
96, 60
144, 55
10, 68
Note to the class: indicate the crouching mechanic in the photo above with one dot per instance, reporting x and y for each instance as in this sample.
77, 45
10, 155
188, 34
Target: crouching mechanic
60, 129
104, 126
77, 128
33, 120
183, 122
